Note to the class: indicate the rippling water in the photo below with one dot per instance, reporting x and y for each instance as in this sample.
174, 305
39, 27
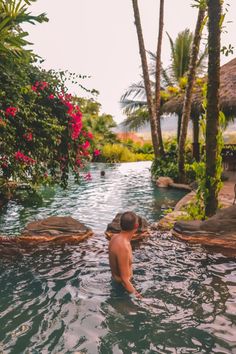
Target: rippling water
61, 300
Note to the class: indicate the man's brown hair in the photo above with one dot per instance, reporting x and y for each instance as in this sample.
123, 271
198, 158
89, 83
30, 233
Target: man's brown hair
128, 221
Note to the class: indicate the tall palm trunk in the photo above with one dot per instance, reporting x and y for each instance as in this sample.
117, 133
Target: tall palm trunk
189, 91
147, 83
158, 78
212, 116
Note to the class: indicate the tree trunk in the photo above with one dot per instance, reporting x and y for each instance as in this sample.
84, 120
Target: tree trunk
196, 145
178, 127
147, 83
189, 91
158, 77
212, 116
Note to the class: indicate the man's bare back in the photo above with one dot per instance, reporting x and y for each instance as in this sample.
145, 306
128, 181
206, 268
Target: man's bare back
117, 246
120, 253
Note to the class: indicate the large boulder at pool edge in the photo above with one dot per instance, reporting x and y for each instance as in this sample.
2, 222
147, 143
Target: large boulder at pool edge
56, 229
219, 230
114, 228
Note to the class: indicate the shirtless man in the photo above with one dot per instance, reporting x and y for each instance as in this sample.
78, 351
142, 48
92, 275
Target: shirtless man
120, 252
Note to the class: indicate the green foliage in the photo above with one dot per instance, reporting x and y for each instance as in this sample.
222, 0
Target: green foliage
168, 166
13, 40
40, 129
119, 153
100, 125
173, 80
197, 208
164, 167
180, 52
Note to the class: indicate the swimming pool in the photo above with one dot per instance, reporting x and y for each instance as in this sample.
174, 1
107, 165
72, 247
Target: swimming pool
61, 300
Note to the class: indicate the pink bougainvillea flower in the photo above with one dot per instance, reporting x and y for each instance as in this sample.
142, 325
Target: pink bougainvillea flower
34, 88
4, 165
85, 153
11, 111
85, 145
97, 152
28, 136
20, 157
78, 162
69, 106
88, 176
51, 97
43, 85
68, 96
90, 135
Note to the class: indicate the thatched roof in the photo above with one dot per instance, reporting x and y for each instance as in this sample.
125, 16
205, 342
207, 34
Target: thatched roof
227, 95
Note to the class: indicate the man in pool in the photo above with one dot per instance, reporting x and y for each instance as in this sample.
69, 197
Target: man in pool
120, 252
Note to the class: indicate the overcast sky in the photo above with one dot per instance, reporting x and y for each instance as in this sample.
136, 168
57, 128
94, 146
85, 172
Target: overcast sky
98, 38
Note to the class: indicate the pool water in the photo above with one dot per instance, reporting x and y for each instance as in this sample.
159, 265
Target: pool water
61, 299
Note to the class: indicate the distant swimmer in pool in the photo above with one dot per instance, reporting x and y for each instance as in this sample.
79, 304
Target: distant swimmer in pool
120, 252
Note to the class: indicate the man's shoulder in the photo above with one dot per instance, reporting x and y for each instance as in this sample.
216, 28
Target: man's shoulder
118, 242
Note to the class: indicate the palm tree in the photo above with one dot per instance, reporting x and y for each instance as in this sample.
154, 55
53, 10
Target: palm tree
146, 78
157, 99
135, 96
13, 14
189, 90
212, 116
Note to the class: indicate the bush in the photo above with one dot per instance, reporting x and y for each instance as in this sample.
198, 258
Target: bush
120, 153
168, 166
165, 167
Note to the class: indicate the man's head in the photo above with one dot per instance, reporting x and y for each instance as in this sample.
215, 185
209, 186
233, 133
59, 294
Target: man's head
128, 221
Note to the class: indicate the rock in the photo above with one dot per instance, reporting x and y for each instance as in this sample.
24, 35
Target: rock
164, 182
219, 230
55, 228
194, 185
182, 186
188, 198
114, 228
168, 221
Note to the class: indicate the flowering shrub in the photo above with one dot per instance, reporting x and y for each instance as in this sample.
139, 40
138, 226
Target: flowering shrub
42, 136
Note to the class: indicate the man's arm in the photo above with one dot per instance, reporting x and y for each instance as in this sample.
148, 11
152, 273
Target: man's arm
123, 259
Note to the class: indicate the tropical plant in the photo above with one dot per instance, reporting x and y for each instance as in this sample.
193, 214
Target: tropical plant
13, 40
173, 80
100, 125
42, 136
118, 152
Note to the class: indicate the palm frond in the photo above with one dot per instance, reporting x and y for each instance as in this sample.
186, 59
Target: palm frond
130, 106
135, 90
137, 120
